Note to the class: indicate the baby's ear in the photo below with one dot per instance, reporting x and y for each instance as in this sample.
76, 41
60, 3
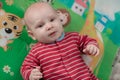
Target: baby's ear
31, 34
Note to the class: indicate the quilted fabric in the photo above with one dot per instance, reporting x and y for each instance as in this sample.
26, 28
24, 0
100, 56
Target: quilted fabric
99, 19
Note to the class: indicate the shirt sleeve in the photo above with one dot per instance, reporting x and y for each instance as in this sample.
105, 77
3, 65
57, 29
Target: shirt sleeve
84, 40
28, 65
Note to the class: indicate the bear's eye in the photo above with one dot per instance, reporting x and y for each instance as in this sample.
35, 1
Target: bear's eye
15, 27
4, 23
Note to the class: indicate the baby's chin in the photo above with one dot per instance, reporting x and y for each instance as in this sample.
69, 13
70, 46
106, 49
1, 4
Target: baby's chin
48, 41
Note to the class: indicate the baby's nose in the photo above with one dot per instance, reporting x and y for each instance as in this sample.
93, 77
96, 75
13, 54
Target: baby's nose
49, 26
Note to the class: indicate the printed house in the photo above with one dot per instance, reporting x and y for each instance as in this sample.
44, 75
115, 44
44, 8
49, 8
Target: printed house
79, 6
101, 23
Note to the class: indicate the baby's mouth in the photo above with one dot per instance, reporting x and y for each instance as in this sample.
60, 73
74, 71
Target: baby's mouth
52, 33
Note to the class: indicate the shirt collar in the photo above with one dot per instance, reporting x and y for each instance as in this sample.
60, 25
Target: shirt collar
61, 37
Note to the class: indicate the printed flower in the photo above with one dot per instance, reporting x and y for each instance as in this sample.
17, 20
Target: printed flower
6, 69
12, 73
9, 2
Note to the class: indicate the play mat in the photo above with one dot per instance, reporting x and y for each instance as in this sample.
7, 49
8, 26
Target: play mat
99, 19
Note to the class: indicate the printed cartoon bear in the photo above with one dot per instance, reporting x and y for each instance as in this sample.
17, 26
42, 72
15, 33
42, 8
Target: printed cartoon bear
64, 16
10, 28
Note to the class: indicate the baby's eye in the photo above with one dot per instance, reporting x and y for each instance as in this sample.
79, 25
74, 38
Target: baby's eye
61, 20
51, 20
40, 26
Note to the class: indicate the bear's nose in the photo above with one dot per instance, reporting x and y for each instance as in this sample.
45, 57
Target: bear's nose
8, 30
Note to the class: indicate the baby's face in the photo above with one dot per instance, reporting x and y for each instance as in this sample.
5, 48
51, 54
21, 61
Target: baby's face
45, 25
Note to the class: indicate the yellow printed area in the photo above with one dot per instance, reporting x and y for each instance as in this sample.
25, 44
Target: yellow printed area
90, 30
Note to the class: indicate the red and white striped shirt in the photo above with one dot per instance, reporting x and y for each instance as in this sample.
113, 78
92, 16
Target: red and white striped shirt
60, 60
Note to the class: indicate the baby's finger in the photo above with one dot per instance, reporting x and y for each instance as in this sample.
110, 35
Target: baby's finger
97, 52
37, 77
38, 74
91, 50
35, 70
88, 50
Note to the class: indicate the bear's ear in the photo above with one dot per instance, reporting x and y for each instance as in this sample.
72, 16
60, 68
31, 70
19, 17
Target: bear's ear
22, 22
58, 11
2, 12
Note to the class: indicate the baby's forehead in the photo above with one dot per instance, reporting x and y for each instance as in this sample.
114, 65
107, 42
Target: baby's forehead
41, 8
40, 5
36, 10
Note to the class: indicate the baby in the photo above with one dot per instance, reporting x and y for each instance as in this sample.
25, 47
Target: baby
57, 54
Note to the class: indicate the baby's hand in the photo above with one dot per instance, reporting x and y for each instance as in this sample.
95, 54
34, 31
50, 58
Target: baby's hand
91, 49
35, 74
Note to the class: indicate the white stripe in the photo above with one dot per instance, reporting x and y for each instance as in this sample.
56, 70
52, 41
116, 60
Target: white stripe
47, 70
45, 54
72, 62
31, 58
74, 57
69, 51
51, 65
56, 55
80, 72
79, 69
55, 72
64, 78
69, 46
67, 43
81, 44
49, 61
69, 55
43, 48
75, 65
57, 76
25, 73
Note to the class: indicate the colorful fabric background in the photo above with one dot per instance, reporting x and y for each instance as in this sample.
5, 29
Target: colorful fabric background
99, 19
